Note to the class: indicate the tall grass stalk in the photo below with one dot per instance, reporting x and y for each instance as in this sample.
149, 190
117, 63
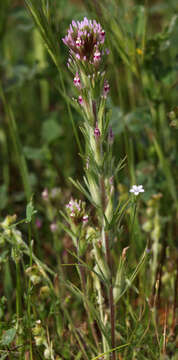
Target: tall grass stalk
40, 56
41, 16
11, 122
29, 302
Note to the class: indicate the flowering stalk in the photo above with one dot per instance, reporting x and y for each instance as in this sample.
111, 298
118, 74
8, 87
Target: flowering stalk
78, 219
87, 58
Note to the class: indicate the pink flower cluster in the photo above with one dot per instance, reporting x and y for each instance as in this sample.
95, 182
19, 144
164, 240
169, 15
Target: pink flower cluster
85, 40
76, 210
77, 83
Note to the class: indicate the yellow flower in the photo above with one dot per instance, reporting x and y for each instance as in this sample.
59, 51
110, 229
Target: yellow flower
139, 51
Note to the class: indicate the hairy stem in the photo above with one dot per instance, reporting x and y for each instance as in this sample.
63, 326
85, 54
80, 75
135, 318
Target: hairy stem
91, 324
108, 260
111, 299
100, 302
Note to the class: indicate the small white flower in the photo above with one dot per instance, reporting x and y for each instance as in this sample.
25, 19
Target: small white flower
137, 189
85, 219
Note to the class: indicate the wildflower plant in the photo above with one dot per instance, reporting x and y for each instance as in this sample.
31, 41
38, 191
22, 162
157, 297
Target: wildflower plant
78, 218
87, 62
47, 274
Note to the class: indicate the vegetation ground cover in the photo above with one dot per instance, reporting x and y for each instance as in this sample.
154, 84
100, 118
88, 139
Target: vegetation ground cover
98, 278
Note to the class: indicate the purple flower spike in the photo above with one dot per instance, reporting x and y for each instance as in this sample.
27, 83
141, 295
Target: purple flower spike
85, 40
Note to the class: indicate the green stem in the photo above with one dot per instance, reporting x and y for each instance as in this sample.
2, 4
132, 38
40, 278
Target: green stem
18, 291
18, 301
108, 261
101, 310
130, 154
111, 299
40, 55
91, 324
29, 295
105, 240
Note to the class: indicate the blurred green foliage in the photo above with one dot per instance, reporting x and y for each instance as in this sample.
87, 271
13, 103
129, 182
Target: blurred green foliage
36, 104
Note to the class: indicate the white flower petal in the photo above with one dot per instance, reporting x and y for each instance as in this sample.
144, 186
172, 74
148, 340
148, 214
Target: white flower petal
136, 189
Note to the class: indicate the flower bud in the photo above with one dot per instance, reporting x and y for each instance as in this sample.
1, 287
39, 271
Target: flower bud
38, 340
147, 226
97, 56
110, 136
10, 219
85, 219
77, 81
44, 292
53, 227
80, 100
97, 132
37, 329
47, 354
106, 89
102, 36
45, 194
35, 279
38, 223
